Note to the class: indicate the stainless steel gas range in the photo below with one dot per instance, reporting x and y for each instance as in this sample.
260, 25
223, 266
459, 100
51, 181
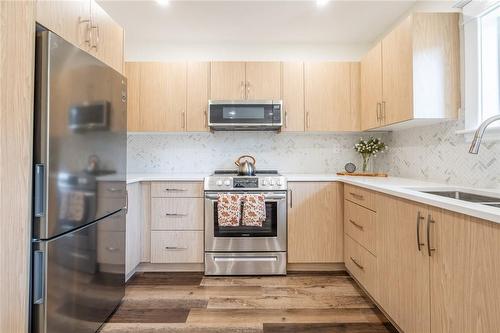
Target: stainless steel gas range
245, 250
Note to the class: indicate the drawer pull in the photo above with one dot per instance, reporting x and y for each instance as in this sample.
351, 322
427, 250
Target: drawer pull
175, 248
112, 249
357, 196
356, 225
175, 190
357, 263
114, 189
175, 214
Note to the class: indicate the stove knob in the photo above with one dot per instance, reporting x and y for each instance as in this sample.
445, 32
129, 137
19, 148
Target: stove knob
219, 183
278, 182
227, 182
271, 182
264, 182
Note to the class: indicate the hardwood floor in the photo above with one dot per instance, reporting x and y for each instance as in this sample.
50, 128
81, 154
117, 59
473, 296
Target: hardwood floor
309, 302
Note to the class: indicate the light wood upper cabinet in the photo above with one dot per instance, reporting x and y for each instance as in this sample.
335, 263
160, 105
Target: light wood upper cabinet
371, 93
328, 96
69, 19
315, 222
86, 25
133, 74
397, 73
227, 81
198, 82
263, 80
163, 96
413, 73
293, 96
107, 38
403, 270
250, 80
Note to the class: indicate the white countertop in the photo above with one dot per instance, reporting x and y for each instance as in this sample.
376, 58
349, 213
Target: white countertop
401, 187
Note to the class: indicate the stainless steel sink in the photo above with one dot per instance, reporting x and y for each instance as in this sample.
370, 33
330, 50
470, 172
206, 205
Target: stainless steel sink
466, 196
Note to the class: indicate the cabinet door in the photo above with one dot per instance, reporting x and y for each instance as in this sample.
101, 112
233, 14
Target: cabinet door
315, 222
68, 19
198, 80
292, 86
106, 38
371, 88
327, 95
227, 81
263, 80
397, 74
403, 270
163, 96
133, 74
465, 274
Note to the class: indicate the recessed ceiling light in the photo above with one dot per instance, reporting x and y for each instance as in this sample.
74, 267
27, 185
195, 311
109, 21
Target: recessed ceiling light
321, 3
162, 2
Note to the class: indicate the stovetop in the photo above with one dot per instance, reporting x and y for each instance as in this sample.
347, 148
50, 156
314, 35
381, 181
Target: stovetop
228, 180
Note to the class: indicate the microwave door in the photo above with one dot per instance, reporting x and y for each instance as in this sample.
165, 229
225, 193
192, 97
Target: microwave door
249, 114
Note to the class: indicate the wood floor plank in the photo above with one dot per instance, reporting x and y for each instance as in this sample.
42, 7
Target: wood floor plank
279, 281
186, 292
169, 279
214, 316
329, 328
139, 315
163, 303
180, 328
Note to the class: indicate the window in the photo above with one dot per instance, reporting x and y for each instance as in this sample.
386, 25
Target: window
482, 62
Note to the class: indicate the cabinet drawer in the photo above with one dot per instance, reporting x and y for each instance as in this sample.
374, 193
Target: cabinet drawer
176, 247
111, 247
361, 196
177, 189
111, 189
177, 213
359, 223
362, 265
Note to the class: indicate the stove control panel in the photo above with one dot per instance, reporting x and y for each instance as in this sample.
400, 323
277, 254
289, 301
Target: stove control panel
235, 183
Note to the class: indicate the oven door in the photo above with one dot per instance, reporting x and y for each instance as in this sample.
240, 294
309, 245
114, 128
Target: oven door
270, 237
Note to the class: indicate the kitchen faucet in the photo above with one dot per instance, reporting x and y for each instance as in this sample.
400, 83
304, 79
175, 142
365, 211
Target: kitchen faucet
478, 136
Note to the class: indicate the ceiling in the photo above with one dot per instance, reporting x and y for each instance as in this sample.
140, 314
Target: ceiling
285, 22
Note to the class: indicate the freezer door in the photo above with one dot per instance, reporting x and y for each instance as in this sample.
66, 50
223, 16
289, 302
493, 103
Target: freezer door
79, 138
79, 278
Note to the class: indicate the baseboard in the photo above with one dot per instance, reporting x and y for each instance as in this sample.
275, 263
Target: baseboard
319, 267
148, 267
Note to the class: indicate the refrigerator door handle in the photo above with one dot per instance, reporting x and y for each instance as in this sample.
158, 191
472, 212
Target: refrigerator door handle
38, 277
39, 195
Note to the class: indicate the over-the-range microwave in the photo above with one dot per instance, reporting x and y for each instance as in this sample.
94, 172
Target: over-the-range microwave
243, 115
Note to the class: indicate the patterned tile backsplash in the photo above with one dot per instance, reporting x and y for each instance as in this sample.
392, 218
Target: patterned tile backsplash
436, 153
433, 153
205, 152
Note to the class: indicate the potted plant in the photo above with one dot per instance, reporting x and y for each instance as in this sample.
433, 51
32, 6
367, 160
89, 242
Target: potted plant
369, 148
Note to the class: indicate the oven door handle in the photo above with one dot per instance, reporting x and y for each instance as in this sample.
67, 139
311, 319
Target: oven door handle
269, 197
240, 259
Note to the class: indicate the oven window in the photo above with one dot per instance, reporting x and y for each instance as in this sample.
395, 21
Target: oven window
243, 112
269, 227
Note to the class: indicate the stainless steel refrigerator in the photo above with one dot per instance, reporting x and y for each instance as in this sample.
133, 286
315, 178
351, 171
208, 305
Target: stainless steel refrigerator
79, 189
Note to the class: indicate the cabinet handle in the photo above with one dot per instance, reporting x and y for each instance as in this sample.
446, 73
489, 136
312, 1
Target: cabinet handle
183, 119
205, 113
112, 249
175, 248
357, 196
286, 119
248, 89
291, 198
419, 243
357, 263
356, 225
308, 124
88, 34
95, 42
242, 89
175, 190
429, 222
382, 113
175, 214
379, 111
114, 189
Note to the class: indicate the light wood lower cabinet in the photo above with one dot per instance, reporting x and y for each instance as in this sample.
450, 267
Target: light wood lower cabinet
315, 222
437, 271
177, 247
177, 213
360, 225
